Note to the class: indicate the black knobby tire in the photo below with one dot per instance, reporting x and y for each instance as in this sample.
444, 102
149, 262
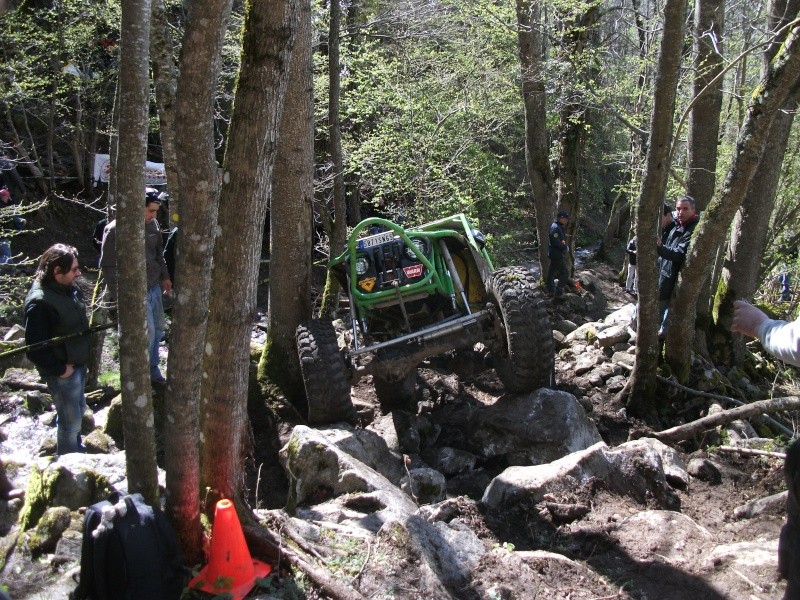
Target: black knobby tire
525, 361
324, 374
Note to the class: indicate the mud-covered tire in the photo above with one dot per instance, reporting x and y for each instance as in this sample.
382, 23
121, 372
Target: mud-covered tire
525, 359
325, 374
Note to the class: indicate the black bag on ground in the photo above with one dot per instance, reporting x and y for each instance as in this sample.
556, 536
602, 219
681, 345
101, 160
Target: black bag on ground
137, 557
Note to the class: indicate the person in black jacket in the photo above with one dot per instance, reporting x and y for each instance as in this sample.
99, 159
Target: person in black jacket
672, 251
55, 308
557, 253
11, 191
632, 281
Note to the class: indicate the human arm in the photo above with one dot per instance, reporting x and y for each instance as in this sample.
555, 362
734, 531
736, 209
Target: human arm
779, 338
675, 250
40, 320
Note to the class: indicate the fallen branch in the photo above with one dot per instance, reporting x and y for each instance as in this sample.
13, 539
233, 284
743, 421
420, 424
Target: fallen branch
686, 389
262, 542
750, 452
756, 507
682, 432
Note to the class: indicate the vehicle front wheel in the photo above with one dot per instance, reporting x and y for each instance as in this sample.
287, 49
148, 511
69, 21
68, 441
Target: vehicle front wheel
525, 359
325, 374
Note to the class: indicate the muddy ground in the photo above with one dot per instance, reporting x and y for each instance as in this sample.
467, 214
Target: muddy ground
590, 541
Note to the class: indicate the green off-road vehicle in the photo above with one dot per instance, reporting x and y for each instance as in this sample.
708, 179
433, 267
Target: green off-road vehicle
413, 294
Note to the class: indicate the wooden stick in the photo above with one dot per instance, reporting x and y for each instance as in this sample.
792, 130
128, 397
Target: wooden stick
750, 451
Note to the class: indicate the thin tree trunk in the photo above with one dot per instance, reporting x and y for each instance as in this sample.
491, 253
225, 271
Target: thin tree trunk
641, 387
269, 29
537, 144
711, 231
199, 180
290, 221
137, 402
741, 270
339, 230
165, 76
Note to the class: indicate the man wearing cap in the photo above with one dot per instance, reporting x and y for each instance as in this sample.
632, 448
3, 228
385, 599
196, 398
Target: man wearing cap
158, 280
557, 253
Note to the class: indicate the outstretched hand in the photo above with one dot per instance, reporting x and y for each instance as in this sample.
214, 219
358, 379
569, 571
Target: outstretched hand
746, 318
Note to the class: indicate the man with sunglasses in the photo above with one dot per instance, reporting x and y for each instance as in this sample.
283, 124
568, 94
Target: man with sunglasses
55, 308
158, 278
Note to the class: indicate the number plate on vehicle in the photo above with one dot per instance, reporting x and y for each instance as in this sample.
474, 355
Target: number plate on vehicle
375, 240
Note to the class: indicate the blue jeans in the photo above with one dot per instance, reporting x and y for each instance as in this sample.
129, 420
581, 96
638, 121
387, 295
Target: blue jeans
70, 404
663, 315
156, 325
5, 252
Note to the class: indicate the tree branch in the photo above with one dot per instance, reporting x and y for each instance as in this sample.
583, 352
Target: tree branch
682, 432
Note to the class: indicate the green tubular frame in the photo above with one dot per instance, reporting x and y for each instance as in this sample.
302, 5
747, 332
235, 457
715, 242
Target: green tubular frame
437, 279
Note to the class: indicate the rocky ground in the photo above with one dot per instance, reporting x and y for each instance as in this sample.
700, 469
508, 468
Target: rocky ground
479, 495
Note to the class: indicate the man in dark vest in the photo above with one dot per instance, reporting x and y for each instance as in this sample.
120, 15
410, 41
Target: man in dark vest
557, 253
672, 251
55, 308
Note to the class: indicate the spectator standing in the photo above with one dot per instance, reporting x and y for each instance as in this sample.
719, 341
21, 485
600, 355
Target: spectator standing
557, 253
55, 308
632, 282
158, 279
672, 248
11, 191
786, 285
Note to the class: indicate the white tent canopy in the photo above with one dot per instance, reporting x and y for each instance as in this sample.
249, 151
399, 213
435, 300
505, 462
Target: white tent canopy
154, 173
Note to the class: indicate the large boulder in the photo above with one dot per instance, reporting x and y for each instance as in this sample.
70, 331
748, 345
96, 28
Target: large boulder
526, 429
635, 470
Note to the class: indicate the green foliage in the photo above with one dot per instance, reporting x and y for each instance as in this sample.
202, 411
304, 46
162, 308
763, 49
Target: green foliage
60, 69
431, 111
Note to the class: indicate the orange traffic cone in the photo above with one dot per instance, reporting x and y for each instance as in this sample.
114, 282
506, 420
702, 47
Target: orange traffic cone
230, 568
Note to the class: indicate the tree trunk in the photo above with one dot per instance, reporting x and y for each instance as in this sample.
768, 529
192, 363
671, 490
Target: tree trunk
137, 401
165, 76
537, 144
269, 28
339, 230
741, 269
711, 231
640, 389
290, 221
199, 180
577, 33
703, 131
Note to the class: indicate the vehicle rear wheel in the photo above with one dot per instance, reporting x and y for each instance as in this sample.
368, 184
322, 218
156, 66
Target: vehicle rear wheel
525, 359
324, 374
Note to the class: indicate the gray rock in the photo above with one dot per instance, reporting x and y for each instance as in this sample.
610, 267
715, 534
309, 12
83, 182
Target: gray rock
673, 536
704, 469
612, 335
449, 461
527, 429
426, 486
369, 448
44, 537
